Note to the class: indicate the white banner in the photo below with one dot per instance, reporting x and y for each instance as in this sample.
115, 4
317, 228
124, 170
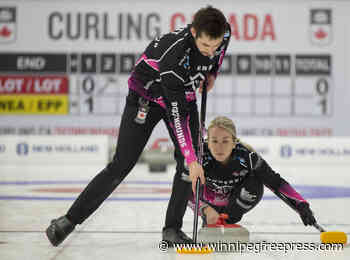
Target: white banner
54, 150
311, 150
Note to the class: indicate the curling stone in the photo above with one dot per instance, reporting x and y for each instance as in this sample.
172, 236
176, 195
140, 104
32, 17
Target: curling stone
223, 232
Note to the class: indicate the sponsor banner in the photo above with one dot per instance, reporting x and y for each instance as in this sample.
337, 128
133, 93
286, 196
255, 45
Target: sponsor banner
111, 130
97, 149
34, 104
293, 150
54, 150
285, 132
81, 27
285, 72
15, 84
110, 23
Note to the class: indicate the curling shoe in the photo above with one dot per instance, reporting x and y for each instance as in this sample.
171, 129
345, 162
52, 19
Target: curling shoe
59, 229
171, 236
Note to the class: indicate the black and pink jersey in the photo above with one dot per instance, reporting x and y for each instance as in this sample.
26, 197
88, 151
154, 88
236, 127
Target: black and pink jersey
168, 73
221, 180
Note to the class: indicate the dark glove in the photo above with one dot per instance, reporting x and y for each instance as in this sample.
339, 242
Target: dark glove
306, 214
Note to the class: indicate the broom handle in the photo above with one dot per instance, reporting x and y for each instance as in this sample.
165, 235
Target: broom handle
196, 211
200, 157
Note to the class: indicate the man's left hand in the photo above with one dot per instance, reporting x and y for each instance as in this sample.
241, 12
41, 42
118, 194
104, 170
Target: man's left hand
210, 80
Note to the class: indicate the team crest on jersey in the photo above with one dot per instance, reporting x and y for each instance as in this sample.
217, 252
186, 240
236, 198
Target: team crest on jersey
195, 80
242, 161
8, 24
321, 26
185, 62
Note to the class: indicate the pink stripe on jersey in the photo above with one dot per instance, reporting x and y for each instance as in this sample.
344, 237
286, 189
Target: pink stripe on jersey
191, 204
222, 55
215, 198
288, 191
190, 96
210, 196
151, 62
160, 101
192, 157
186, 147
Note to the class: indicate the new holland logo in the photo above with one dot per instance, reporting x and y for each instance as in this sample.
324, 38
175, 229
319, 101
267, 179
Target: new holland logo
22, 149
8, 24
286, 151
321, 26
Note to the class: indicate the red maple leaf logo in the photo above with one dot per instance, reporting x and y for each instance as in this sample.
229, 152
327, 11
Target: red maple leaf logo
320, 34
142, 115
5, 32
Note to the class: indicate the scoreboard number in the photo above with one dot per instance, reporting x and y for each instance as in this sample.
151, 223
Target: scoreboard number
88, 87
322, 89
98, 94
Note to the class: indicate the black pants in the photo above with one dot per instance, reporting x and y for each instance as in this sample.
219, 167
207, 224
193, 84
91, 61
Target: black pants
131, 141
242, 200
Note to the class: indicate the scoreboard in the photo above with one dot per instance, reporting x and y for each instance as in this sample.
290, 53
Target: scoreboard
65, 69
87, 83
275, 85
58, 83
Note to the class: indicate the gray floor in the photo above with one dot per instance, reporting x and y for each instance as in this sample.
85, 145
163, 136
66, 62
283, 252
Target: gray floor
128, 225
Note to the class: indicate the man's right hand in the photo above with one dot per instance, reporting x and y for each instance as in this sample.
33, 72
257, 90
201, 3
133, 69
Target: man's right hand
196, 171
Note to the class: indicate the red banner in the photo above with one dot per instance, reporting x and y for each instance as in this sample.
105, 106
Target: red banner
33, 84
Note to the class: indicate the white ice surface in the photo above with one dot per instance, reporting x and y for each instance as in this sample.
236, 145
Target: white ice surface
132, 229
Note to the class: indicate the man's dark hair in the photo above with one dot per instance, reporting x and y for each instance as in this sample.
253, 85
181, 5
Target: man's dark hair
211, 21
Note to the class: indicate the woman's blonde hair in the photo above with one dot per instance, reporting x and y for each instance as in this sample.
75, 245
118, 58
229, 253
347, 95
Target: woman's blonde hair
225, 123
